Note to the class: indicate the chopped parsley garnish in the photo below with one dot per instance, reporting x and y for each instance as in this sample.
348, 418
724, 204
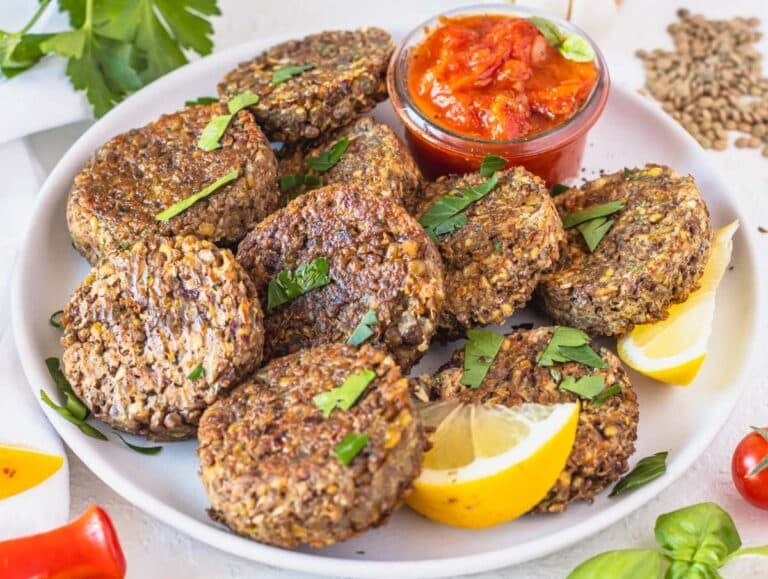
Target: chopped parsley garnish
647, 469
586, 387
606, 394
570, 345
593, 222
148, 450
491, 164
211, 135
55, 319
763, 464
557, 189
283, 73
203, 100
184, 204
571, 46
479, 353
350, 447
628, 175
294, 180
290, 284
328, 159
447, 214
363, 330
197, 373
346, 395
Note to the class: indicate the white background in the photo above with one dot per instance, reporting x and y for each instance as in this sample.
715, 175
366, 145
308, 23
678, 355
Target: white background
156, 551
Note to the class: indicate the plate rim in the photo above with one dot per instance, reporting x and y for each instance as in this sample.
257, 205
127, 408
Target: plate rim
226, 541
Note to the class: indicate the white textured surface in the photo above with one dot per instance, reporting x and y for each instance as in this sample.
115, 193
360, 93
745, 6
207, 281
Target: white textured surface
155, 551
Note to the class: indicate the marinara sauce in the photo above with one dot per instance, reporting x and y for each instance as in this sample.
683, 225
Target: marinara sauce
472, 84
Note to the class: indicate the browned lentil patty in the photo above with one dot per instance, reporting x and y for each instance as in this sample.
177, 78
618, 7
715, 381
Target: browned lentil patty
267, 454
651, 258
376, 159
145, 318
605, 434
379, 258
138, 174
493, 263
348, 78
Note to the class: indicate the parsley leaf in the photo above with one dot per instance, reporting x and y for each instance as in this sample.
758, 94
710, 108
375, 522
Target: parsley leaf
288, 285
212, 133
363, 330
294, 180
583, 355
203, 100
242, 101
350, 447
283, 73
197, 373
601, 397
570, 345
329, 158
602, 210
647, 469
184, 204
593, 231
479, 353
346, 395
71, 402
491, 164
19, 50
586, 387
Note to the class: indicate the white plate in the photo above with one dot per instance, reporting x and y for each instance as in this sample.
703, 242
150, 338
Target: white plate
681, 420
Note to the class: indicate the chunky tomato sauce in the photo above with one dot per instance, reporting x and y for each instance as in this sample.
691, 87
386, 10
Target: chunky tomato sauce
495, 77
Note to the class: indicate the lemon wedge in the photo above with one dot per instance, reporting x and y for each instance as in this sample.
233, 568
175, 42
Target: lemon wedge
673, 350
22, 469
490, 464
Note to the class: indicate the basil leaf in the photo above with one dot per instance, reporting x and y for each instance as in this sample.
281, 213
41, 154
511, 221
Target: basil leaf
576, 48
700, 536
363, 330
585, 387
439, 219
491, 164
148, 450
329, 158
346, 395
55, 320
283, 73
212, 133
583, 355
241, 101
606, 394
203, 100
593, 231
72, 403
622, 564
196, 373
549, 30
288, 285
602, 210
646, 470
557, 189
479, 353
350, 447
184, 204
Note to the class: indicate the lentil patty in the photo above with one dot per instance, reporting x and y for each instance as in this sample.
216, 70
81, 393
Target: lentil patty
493, 263
375, 158
347, 78
379, 258
267, 454
605, 434
137, 174
651, 258
142, 322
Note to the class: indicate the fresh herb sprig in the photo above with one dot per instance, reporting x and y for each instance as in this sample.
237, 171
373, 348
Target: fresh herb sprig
290, 284
448, 213
184, 204
646, 470
479, 353
328, 159
693, 541
346, 395
571, 46
593, 222
298, 183
570, 345
363, 330
115, 46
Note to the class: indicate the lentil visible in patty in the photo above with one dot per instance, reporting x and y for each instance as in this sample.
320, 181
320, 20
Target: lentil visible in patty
267, 454
147, 320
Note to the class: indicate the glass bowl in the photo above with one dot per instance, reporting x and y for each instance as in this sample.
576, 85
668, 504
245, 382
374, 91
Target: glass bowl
555, 154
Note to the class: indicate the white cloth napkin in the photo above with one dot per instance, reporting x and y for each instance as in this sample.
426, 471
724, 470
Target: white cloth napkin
23, 423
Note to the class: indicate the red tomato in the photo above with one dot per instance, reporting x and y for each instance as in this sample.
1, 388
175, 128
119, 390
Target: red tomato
750, 452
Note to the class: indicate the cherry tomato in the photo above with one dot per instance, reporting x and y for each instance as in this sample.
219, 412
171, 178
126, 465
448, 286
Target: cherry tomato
749, 453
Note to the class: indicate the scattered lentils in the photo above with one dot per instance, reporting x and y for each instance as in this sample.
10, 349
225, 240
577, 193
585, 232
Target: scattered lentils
712, 82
